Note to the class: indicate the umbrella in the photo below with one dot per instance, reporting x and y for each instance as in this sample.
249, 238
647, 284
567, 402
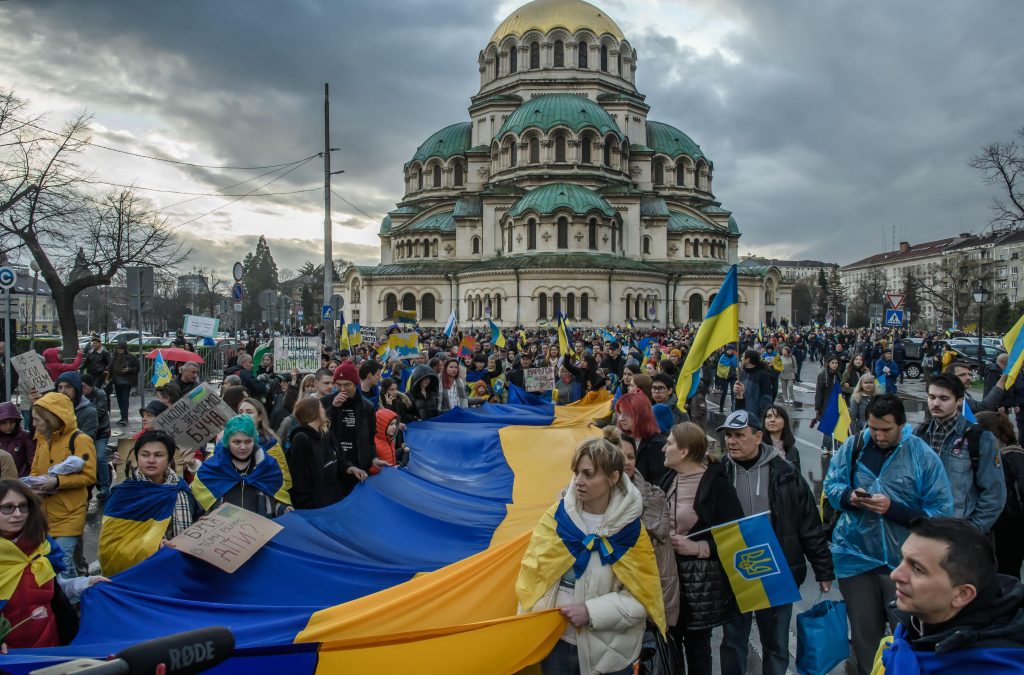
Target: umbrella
176, 354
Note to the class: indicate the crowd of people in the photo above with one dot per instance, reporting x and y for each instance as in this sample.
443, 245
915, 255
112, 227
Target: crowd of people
917, 525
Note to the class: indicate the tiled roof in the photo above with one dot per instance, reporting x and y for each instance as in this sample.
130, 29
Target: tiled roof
549, 110
684, 222
671, 141
442, 221
734, 227
653, 207
916, 251
469, 207
448, 142
548, 198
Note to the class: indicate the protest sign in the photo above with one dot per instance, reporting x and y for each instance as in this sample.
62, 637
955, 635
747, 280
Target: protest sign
196, 418
201, 326
227, 537
292, 352
369, 335
539, 379
31, 373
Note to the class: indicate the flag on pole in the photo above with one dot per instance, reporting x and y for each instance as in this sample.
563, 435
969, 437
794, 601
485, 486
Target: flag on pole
497, 338
257, 356
522, 340
405, 316
466, 346
755, 564
563, 336
968, 413
720, 327
835, 421
404, 345
452, 325
355, 334
1014, 344
343, 337
161, 373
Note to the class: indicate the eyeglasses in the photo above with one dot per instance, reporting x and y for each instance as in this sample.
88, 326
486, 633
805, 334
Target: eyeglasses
8, 509
659, 388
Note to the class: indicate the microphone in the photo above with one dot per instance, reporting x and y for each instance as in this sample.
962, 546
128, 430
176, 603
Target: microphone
187, 653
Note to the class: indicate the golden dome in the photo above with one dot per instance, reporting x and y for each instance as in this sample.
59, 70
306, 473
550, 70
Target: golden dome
544, 15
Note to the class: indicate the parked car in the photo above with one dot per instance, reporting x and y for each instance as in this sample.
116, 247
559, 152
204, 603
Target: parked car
973, 341
968, 354
912, 364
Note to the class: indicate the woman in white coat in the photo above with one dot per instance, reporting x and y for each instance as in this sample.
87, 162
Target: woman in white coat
591, 558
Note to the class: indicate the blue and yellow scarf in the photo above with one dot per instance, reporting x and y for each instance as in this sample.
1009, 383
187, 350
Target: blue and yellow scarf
218, 475
135, 520
45, 562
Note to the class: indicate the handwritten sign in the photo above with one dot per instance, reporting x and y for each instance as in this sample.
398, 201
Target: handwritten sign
296, 353
539, 379
31, 373
227, 537
196, 418
369, 335
202, 326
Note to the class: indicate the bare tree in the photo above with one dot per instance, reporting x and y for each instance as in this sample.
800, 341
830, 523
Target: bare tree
78, 241
950, 286
1002, 165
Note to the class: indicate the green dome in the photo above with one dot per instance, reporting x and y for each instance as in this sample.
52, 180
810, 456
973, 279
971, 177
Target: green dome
447, 142
671, 141
443, 222
734, 227
550, 110
549, 198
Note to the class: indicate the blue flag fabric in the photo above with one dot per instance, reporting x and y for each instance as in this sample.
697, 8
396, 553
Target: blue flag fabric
218, 475
581, 545
969, 414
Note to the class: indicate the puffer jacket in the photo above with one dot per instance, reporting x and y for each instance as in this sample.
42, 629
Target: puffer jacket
65, 508
55, 367
613, 640
384, 446
658, 524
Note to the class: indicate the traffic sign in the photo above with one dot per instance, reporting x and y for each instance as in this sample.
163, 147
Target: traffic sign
237, 292
238, 307
238, 271
302, 315
326, 312
894, 318
337, 302
8, 277
896, 299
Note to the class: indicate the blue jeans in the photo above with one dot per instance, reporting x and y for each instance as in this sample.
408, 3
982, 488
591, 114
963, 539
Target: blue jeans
773, 625
67, 545
102, 468
564, 660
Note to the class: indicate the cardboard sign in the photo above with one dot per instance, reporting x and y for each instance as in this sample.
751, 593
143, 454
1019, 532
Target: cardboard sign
201, 326
296, 353
196, 418
31, 373
539, 379
227, 537
369, 335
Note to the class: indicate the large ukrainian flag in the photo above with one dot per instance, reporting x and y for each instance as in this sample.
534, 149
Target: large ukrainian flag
755, 564
135, 518
720, 327
835, 421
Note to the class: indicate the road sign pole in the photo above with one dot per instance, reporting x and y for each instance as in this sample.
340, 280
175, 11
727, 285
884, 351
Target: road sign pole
8, 346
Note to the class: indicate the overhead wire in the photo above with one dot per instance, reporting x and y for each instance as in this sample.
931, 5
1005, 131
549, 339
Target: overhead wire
352, 205
218, 193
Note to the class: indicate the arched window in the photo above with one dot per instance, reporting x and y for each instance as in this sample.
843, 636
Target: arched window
585, 306
700, 176
696, 312
495, 73
510, 237
559, 147
629, 306
419, 179
457, 177
583, 54
559, 54
437, 175
497, 307
659, 172
592, 235
513, 59
607, 153
534, 150
409, 302
556, 305
680, 174
542, 306
647, 245
427, 313
531, 234
585, 144
390, 305
570, 305
604, 58
563, 232
711, 299
534, 55
619, 63
476, 245
426, 249
636, 308
615, 242
408, 250
513, 154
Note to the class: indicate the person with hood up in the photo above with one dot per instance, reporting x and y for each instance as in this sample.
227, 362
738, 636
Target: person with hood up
352, 419
16, 440
386, 442
316, 467
55, 367
70, 384
424, 389
63, 470
605, 591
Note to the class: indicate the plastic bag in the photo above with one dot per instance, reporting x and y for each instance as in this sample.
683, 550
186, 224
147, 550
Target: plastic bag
659, 656
822, 641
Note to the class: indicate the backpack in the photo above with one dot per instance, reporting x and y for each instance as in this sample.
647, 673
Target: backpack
1013, 464
829, 515
972, 437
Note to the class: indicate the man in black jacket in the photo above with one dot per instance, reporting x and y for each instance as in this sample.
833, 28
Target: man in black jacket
753, 390
614, 361
765, 481
353, 420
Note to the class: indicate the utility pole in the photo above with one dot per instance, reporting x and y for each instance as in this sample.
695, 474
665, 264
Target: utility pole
328, 233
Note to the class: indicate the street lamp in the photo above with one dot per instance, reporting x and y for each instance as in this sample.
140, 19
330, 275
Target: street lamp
35, 293
981, 296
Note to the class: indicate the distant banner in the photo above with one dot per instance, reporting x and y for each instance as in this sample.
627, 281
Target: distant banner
296, 353
369, 334
196, 418
202, 326
539, 379
31, 373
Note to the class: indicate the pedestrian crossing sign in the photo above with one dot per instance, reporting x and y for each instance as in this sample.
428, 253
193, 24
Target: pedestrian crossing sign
894, 318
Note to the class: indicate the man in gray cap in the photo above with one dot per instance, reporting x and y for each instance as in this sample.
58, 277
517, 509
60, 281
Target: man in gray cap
765, 481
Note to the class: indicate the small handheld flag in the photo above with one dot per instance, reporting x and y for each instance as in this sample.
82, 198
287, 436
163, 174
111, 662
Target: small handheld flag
755, 564
497, 338
404, 345
405, 316
452, 325
466, 346
835, 421
563, 336
355, 334
968, 413
161, 373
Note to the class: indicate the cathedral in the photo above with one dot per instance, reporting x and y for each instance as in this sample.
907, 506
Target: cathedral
559, 194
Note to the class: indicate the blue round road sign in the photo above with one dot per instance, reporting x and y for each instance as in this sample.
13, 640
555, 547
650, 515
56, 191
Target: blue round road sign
7, 277
237, 292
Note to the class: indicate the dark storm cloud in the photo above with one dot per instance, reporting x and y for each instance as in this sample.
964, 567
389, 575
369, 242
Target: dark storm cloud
219, 256
829, 122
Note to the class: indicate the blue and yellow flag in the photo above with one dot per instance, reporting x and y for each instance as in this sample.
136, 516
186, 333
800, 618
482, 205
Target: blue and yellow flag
563, 336
720, 327
497, 337
218, 475
404, 344
835, 421
46, 561
755, 564
161, 373
355, 335
1013, 341
343, 337
135, 519
405, 316
522, 340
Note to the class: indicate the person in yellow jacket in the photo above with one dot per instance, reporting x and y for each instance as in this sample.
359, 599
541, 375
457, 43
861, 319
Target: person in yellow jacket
63, 470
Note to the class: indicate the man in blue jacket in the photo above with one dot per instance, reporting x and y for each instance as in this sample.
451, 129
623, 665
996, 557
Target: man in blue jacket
886, 367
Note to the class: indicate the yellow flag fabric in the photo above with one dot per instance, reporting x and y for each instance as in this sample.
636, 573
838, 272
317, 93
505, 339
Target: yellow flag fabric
721, 326
13, 563
283, 495
1014, 344
563, 337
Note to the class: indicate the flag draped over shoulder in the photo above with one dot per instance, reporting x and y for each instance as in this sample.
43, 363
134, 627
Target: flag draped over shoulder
218, 475
755, 564
1013, 341
135, 519
835, 421
161, 373
46, 561
720, 327
558, 545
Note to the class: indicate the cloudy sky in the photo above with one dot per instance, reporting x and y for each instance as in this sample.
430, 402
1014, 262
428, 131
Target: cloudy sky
830, 122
